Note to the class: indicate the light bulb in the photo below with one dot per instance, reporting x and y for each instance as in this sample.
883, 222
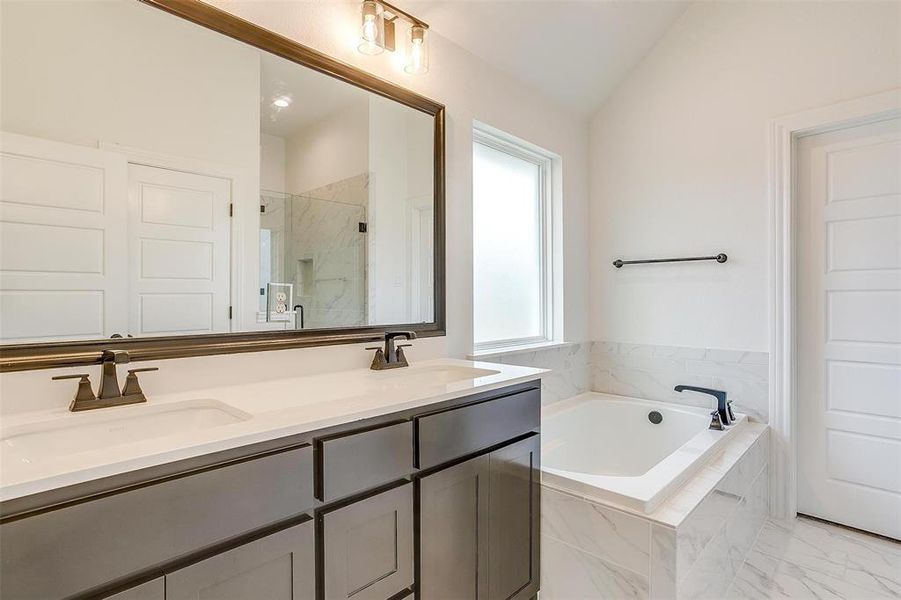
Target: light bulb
371, 37
416, 56
417, 50
370, 29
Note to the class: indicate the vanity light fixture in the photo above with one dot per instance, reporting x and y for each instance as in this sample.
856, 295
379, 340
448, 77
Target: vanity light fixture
378, 34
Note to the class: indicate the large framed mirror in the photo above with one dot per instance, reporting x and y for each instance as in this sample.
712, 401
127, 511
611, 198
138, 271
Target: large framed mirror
175, 181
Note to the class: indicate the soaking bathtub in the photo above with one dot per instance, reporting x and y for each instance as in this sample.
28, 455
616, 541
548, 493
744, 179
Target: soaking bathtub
607, 448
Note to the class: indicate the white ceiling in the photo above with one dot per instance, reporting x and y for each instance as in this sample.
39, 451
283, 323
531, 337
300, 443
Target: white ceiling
576, 52
314, 96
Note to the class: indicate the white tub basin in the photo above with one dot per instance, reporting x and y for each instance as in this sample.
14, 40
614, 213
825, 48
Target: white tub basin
109, 427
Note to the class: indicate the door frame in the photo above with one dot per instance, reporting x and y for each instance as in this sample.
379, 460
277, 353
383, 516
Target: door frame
783, 135
244, 200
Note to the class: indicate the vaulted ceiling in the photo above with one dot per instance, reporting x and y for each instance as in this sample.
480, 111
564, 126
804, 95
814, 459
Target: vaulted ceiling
575, 52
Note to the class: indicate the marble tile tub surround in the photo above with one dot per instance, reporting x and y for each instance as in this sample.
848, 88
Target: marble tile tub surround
651, 372
714, 540
569, 363
591, 550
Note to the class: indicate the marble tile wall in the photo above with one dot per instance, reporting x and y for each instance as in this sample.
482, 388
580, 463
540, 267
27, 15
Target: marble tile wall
326, 253
651, 372
569, 361
590, 550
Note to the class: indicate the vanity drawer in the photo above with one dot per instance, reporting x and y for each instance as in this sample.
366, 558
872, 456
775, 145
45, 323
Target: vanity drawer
73, 549
450, 434
352, 462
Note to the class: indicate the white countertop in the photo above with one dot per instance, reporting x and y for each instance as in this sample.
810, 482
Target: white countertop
269, 410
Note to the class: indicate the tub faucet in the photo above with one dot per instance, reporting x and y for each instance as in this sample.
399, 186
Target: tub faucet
723, 415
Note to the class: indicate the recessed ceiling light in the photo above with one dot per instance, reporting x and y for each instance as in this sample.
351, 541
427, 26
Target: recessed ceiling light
282, 101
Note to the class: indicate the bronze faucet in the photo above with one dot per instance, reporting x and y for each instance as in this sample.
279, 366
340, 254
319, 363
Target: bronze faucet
109, 394
391, 357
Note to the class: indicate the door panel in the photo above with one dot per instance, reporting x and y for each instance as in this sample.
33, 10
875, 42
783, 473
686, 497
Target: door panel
280, 566
454, 532
849, 326
368, 546
179, 243
513, 513
62, 244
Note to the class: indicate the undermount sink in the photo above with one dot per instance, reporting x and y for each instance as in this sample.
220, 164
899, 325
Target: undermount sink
436, 375
107, 427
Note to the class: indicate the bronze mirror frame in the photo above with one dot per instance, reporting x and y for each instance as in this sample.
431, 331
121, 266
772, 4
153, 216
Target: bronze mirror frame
21, 357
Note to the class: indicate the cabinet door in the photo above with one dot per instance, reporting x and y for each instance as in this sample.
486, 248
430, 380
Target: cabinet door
453, 512
150, 590
368, 547
280, 566
513, 513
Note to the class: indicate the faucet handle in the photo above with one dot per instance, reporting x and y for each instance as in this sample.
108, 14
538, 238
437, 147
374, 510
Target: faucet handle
132, 386
716, 421
84, 392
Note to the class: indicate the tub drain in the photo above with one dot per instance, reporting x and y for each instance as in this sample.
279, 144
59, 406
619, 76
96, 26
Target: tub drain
655, 417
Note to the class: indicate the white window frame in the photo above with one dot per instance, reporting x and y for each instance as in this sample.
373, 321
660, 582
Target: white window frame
517, 148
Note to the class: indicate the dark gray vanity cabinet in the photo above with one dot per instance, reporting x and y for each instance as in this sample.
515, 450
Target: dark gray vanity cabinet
479, 524
442, 503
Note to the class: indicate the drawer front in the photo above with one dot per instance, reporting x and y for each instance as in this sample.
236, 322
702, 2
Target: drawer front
456, 432
359, 461
280, 566
367, 547
98, 541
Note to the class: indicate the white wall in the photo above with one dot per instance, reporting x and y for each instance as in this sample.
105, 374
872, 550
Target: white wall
679, 160
331, 149
272, 163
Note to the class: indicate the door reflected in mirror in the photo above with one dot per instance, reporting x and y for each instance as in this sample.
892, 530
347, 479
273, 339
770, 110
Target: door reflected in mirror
158, 178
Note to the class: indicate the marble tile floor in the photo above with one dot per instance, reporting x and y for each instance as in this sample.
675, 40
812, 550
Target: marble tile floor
806, 558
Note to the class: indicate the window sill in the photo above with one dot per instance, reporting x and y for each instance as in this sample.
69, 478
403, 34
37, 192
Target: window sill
512, 350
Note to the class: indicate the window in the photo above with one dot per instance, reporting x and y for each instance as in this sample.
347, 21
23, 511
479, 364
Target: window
512, 288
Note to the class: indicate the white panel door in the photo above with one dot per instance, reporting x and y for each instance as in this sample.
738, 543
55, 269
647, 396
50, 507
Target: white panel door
179, 252
63, 247
849, 327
